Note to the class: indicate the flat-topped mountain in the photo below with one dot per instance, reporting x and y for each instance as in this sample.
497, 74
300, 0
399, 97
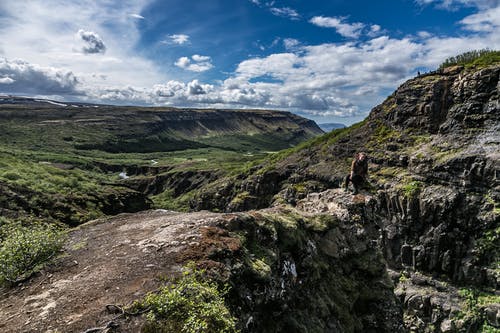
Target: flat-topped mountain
35, 122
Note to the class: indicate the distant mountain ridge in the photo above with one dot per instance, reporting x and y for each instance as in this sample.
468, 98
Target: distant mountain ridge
148, 129
327, 127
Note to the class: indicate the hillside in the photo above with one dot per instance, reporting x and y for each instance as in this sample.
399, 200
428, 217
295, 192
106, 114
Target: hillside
74, 162
434, 158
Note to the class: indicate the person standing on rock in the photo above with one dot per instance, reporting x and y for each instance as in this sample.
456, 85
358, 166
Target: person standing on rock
359, 172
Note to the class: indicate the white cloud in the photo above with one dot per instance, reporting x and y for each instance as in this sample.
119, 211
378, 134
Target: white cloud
137, 16
424, 34
285, 12
197, 63
375, 28
487, 20
200, 58
93, 42
18, 76
6, 80
454, 4
176, 39
290, 43
350, 30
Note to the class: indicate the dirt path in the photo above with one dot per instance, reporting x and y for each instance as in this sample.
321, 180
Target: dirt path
109, 261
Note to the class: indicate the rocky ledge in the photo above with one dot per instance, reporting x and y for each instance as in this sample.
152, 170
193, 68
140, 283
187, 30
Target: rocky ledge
315, 268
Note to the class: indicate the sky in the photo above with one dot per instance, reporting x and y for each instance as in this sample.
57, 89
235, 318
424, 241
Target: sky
326, 60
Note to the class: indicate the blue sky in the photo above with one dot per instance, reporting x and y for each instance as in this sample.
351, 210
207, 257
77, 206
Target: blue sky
331, 61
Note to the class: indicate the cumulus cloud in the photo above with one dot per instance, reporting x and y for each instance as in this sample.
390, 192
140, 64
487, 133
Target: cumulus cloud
196, 63
375, 30
350, 30
93, 43
485, 21
18, 76
285, 12
195, 88
176, 39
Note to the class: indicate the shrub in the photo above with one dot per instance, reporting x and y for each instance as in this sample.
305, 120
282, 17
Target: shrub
190, 304
412, 189
480, 58
24, 250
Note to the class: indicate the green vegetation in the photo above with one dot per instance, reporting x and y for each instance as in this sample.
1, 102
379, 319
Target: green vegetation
474, 302
166, 200
323, 142
412, 189
383, 134
64, 165
476, 58
25, 250
190, 304
403, 278
488, 248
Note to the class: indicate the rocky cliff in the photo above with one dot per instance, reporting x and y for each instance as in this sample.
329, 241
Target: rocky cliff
434, 160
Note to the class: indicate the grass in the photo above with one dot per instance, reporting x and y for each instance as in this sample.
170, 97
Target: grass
383, 134
412, 188
322, 142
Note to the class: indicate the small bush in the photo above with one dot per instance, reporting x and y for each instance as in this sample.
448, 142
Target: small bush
479, 58
25, 250
412, 189
190, 305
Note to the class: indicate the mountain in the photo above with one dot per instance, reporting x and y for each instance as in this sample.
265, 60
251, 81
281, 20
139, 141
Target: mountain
416, 250
327, 127
117, 129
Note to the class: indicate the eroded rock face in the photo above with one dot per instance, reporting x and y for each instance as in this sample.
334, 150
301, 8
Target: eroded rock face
316, 268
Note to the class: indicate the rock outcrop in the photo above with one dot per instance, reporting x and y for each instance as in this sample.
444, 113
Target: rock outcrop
434, 163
